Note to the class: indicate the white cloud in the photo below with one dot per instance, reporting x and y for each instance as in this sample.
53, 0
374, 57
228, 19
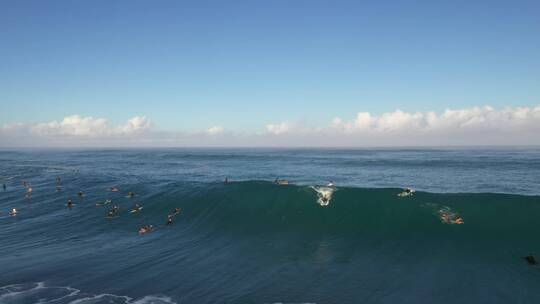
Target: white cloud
134, 124
215, 130
450, 121
469, 126
280, 128
76, 125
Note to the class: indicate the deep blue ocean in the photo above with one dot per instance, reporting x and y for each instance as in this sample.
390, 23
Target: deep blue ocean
254, 241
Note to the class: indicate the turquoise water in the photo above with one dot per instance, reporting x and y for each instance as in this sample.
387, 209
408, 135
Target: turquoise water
252, 241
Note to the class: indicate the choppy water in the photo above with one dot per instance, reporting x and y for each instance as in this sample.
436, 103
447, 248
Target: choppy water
252, 241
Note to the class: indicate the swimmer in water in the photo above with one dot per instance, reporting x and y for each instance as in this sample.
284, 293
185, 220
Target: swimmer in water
531, 259
458, 221
146, 228
13, 212
70, 203
169, 219
29, 192
113, 212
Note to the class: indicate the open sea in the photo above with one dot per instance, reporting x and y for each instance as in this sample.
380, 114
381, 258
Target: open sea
254, 241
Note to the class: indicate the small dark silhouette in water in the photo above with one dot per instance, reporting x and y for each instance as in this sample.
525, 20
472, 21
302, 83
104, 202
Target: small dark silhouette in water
531, 260
4, 186
169, 219
226, 180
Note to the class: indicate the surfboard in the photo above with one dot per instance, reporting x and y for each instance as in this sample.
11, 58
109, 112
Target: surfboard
136, 210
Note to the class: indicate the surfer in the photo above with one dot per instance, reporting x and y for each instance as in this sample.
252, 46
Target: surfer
70, 203
80, 194
281, 181
113, 212
136, 208
13, 212
226, 180
114, 189
458, 221
531, 259
146, 228
104, 203
169, 219
29, 192
131, 194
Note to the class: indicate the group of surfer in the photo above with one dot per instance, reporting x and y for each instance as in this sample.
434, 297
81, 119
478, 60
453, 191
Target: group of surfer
150, 228
445, 214
110, 214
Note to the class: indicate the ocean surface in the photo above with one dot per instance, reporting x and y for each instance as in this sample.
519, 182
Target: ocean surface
254, 241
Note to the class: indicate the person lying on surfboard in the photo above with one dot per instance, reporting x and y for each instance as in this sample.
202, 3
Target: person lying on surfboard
136, 208
169, 219
146, 228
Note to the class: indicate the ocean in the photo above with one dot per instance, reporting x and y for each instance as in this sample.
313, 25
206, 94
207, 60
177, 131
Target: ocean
254, 241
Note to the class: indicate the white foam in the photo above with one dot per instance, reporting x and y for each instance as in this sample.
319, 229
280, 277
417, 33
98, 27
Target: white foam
46, 295
324, 194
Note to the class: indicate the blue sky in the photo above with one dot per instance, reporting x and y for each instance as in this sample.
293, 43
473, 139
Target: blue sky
189, 65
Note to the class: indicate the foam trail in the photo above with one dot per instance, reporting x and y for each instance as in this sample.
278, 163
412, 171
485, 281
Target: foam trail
29, 293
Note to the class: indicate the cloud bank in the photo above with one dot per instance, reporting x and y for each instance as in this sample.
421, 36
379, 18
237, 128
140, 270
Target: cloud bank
453, 127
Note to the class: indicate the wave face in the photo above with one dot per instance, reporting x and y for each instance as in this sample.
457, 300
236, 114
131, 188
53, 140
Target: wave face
252, 241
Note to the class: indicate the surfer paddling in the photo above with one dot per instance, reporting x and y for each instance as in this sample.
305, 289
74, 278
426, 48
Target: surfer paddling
170, 217
531, 259
146, 228
29, 192
407, 192
136, 208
